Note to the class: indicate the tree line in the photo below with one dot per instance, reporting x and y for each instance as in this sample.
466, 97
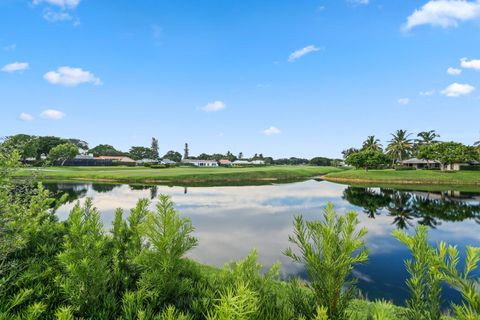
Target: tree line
59, 150
402, 146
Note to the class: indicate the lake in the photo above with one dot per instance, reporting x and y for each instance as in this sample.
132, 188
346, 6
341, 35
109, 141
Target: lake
231, 221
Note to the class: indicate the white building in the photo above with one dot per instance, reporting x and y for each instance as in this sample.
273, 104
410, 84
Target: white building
202, 163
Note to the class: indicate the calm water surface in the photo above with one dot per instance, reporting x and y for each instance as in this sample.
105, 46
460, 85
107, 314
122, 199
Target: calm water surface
231, 221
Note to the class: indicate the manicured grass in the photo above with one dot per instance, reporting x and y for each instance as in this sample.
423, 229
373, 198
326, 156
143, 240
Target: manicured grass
187, 174
424, 177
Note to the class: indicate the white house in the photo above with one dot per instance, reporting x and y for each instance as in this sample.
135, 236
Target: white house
167, 161
241, 163
421, 163
202, 163
258, 162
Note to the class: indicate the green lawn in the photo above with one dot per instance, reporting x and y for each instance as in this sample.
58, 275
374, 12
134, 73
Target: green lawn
425, 177
142, 174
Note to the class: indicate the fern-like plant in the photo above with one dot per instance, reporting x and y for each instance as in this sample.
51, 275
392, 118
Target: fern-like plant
330, 249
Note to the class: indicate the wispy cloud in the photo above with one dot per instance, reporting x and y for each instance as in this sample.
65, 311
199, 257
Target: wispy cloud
10, 47
70, 4
25, 117
470, 64
427, 93
403, 101
454, 71
361, 2
52, 114
458, 89
214, 106
444, 13
301, 52
271, 131
157, 33
71, 77
15, 67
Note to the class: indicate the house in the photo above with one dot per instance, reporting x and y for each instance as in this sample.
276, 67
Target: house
201, 163
258, 162
146, 161
82, 160
168, 162
122, 160
225, 162
458, 166
421, 163
241, 163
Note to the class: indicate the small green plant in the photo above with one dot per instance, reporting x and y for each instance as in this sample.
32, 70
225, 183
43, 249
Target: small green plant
465, 282
424, 285
330, 249
237, 303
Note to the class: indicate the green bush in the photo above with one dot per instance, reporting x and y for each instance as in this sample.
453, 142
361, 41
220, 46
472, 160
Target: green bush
330, 249
470, 168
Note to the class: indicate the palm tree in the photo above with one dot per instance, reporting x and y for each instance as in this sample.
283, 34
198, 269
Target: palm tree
400, 145
427, 137
372, 144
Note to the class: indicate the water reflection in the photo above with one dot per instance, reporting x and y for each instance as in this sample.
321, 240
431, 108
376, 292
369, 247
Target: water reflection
430, 208
230, 221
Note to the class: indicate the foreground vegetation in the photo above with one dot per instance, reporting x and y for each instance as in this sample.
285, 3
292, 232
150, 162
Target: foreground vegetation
75, 269
389, 176
188, 174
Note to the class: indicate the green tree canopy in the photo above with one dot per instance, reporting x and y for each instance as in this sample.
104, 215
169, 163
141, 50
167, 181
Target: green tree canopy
367, 159
105, 150
372, 144
400, 146
448, 152
25, 144
173, 155
62, 153
139, 153
154, 149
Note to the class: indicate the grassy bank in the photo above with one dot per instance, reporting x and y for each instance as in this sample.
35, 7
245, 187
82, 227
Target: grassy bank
178, 175
412, 177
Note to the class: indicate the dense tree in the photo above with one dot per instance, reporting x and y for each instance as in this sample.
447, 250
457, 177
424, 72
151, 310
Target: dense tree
105, 150
25, 144
240, 155
348, 152
427, 137
230, 156
139, 153
320, 161
83, 145
400, 146
45, 144
154, 149
173, 155
63, 152
367, 159
448, 153
372, 144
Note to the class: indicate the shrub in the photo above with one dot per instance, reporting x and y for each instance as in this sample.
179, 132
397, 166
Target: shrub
424, 285
470, 168
465, 281
330, 249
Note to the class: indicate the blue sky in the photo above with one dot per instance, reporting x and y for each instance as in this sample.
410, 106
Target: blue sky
282, 78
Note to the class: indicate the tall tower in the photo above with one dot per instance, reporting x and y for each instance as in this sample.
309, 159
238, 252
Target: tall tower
185, 155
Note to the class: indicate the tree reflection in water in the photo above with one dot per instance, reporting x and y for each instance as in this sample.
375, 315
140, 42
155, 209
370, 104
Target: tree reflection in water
429, 208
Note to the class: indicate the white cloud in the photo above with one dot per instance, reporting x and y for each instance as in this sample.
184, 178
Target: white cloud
71, 77
271, 131
71, 4
52, 16
403, 101
52, 114
364, 2
458, 89
427, 93
454, 71
444, 13
470, 64
301, 52
214, 106
25, 116
15, 67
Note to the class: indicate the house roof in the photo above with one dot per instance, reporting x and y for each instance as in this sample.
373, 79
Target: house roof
419, 161
119, 158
